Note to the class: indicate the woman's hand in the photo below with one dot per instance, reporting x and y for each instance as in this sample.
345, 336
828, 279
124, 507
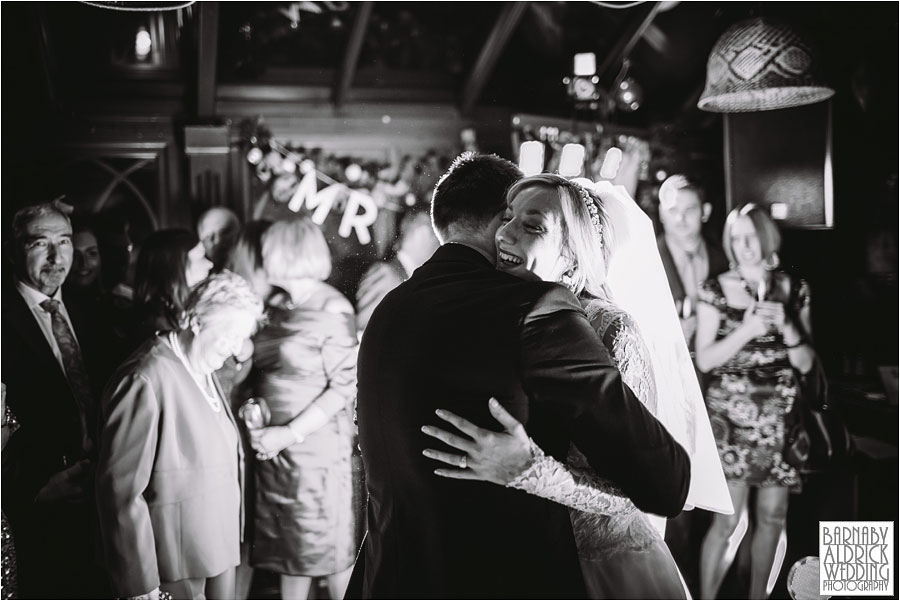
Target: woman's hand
497, 457
72, 484
755, 323
268, 442
772, 313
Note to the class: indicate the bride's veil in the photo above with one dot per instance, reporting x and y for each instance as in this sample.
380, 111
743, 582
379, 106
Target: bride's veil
637, 282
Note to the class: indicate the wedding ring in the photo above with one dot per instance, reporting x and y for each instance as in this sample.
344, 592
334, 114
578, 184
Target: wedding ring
463, 461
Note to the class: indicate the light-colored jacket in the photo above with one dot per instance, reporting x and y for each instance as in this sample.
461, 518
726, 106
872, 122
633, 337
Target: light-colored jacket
169, 476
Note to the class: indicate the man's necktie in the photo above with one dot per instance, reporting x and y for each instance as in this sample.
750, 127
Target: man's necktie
74, 366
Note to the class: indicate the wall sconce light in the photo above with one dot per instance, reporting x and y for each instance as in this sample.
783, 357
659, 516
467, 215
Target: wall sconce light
142, 43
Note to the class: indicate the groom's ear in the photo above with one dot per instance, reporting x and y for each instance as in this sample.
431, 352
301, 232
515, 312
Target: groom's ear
495, 223
706, 212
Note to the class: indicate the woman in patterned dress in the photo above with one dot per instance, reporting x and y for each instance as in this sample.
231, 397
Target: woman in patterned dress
558, 230
752, 334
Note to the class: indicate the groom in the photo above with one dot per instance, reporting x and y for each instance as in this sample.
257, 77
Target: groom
455, 334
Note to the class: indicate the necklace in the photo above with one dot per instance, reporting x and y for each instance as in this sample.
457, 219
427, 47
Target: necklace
761, 289
212, 400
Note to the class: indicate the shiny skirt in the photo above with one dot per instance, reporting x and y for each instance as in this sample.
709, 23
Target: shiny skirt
305, 522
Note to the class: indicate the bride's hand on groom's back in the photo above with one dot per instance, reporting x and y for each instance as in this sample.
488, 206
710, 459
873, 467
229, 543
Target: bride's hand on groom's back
497, 457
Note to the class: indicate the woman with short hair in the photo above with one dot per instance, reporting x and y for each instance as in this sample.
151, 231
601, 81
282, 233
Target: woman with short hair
304, 367
753, 335
169, 472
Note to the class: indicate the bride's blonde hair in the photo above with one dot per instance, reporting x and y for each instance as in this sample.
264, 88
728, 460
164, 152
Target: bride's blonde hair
587, 247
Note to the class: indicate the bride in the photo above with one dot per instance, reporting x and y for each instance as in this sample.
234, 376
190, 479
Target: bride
596, 241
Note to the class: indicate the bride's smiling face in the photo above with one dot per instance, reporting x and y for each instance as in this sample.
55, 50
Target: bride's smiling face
530, 239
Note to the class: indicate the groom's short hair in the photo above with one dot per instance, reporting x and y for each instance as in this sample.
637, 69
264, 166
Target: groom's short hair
472, 191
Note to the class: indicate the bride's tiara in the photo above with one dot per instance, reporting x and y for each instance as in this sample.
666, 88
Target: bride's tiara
594, 211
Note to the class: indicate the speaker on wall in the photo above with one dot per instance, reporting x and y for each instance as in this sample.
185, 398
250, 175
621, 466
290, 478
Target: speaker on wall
782, 159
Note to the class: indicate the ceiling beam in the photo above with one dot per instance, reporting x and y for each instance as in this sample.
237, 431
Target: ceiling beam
657, 39
506, 24
351, 55
632, 32
207, 56
50, 68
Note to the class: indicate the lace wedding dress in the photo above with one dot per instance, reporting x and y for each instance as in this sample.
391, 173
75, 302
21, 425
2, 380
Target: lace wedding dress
622, 551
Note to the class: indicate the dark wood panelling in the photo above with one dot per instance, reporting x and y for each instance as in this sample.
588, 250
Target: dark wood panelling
137, 138
207, 54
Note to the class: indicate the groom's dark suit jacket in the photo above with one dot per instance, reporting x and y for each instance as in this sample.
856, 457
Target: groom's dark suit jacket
455, 334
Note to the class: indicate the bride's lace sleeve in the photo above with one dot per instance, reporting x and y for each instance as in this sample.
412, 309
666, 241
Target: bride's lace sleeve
622, 337
575, 484
576, 488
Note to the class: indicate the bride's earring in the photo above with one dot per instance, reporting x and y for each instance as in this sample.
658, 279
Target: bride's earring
567, 279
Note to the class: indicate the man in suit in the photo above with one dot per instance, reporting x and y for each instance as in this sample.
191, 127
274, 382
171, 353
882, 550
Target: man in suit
52, 389
416, 244
689, 257
455, 334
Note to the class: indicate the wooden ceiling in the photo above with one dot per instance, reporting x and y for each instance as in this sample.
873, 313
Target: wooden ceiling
469, 55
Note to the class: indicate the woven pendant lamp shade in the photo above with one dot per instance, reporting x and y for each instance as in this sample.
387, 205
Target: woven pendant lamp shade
760, 65
138, 6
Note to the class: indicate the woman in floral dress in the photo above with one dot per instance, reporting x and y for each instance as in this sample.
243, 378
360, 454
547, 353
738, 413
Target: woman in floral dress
753, 331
